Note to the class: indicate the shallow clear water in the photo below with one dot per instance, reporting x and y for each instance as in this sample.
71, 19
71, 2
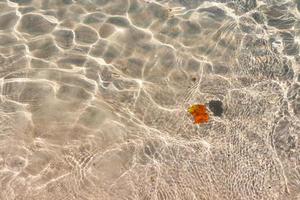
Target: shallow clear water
95, 93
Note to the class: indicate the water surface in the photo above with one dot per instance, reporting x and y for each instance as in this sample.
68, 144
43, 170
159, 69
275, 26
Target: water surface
94, 99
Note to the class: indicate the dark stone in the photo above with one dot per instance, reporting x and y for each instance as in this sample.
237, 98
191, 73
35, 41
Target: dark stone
216, 107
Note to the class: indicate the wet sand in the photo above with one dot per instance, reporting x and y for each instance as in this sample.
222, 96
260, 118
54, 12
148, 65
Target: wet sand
95, 93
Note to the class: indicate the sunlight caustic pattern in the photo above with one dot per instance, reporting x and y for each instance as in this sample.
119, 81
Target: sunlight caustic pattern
149, 99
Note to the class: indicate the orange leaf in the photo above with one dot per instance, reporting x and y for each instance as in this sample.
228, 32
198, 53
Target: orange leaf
199, 113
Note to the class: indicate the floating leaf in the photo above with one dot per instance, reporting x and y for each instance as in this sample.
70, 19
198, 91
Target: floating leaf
199, 113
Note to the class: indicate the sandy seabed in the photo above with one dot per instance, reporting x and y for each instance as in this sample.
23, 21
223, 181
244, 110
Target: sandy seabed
94, 99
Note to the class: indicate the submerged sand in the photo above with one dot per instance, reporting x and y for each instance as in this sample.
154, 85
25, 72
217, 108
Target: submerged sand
94, 99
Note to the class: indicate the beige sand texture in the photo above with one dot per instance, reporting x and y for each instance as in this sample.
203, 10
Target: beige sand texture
94, 99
